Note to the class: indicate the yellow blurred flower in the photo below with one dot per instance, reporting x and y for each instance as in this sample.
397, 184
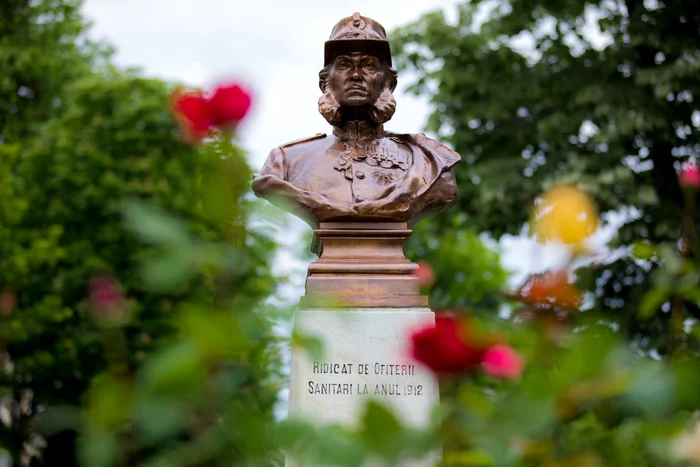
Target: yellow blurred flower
566, 214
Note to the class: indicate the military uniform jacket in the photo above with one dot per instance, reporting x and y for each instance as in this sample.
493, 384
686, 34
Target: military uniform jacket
399, 177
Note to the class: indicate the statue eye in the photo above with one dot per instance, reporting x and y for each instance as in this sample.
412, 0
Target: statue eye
343, 65
369, 66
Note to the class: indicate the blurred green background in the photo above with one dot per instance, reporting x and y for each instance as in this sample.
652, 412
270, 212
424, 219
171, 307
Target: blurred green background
95, 181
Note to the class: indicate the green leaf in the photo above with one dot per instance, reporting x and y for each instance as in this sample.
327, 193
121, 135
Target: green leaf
379, 427
176, 371
651, 302
313, 345
98, 449
159, 418
322, 445
152, 225
290, 431
652, 389
468, 459
216, 333
643, 250
167, 271
109, 402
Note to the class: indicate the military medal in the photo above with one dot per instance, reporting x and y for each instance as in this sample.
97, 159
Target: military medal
375, 155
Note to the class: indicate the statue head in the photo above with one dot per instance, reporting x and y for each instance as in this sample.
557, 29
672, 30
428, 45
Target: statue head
357, 80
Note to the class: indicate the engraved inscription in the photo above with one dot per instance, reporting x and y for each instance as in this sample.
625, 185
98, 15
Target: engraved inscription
329, 388
365, 370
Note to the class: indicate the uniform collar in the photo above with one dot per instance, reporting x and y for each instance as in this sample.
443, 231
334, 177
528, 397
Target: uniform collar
358, 130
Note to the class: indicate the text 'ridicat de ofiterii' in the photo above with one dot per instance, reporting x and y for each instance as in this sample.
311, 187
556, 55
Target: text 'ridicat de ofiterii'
364, 369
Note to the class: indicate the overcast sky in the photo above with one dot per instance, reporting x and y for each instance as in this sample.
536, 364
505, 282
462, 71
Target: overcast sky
276, 48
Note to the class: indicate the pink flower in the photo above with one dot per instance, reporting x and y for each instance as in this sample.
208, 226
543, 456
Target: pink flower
228, 105
501, 361
425, 274
106, 298
689, 176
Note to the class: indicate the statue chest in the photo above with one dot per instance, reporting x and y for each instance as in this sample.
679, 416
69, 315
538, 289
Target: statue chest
354, 171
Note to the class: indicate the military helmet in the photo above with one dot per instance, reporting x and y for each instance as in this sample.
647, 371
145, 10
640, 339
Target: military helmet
357, 33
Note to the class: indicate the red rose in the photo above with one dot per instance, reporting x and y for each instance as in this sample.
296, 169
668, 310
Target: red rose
501, 361
228, 105
191, 108
445, 347
689, 176
425, 274
197, 114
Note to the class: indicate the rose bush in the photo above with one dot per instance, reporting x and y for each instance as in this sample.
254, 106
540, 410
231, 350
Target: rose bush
134, 292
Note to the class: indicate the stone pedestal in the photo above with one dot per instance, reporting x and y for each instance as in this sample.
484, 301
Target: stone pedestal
363, 301
361, 264
365, 357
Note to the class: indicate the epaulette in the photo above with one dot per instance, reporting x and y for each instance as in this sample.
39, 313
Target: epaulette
303, 140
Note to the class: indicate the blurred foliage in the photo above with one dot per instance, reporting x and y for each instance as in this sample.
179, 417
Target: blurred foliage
94, 180
205, 395
43, 49
96, 183
380, 439
599, 94
466, 267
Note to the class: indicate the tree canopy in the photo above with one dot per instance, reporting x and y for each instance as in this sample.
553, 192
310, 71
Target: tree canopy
82, 145
600, 94
134, 267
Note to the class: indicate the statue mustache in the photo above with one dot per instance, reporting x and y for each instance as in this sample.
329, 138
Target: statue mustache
382, 110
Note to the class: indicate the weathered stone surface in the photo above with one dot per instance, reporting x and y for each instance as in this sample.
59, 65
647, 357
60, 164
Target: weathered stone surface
366, 356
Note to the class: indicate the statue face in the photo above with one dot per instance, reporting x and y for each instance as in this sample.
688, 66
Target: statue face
356, 79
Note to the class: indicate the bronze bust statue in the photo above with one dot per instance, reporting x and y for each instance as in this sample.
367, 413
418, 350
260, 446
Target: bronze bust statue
360, 173
361, 187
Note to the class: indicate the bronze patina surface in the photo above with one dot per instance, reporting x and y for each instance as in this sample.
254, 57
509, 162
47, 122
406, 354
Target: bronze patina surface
364, 185
361, 264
